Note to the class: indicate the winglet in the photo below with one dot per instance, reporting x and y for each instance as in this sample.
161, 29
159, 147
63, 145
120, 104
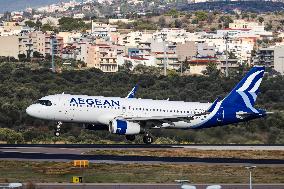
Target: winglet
132, 93
212, 107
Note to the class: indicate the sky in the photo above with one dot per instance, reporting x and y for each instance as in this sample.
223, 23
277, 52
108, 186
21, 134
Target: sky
11, 5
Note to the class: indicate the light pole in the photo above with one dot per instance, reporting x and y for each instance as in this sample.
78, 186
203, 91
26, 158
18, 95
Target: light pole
250, 168
165, 54
52, 53
226, 38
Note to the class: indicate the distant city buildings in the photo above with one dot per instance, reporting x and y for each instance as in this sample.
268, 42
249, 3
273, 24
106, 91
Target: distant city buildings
105, 48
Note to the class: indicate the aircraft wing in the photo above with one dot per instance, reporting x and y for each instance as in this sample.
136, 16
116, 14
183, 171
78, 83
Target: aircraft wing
165, 119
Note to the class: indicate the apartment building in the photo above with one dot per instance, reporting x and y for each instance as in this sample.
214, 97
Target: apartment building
272, 57
103, 57
133, 39
38, 40
188, 50
146, 60
198, 66
11, 28
176, 35
55, 43
14, 45
242, 27
102, 30
27, 43
279, 59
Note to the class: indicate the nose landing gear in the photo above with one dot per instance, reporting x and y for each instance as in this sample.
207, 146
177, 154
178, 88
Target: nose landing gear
57, 129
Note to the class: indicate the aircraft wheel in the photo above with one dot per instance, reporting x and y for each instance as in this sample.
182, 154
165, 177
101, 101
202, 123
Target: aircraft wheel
147, 139
57, 133
130, 137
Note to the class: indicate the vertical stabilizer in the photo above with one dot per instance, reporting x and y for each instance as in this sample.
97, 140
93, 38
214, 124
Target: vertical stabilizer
244, 95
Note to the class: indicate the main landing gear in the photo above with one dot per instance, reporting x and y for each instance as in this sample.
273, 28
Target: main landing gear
57, 129
147, 138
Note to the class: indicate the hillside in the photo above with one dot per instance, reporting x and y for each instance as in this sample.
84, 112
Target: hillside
21, 84
224, 6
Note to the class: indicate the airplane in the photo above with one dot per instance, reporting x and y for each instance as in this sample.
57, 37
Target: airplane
132, 116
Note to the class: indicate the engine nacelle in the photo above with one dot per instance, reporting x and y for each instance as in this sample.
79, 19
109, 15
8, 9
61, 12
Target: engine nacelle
123, 127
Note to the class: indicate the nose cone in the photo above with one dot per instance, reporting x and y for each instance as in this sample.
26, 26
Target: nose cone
31, 111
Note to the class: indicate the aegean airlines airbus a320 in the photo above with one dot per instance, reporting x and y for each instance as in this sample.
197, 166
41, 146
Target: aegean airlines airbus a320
130, 116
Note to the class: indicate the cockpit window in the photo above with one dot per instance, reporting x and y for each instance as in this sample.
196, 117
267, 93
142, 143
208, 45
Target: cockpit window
44, 102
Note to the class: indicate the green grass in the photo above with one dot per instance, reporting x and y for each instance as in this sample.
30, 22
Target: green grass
242, 154
14, 171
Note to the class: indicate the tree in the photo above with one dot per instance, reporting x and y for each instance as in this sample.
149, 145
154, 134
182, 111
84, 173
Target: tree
22, 57
178, 23
38, 24
30, 23
71, 24
47, 27
162, 22
226, 20
173, 13
268, 26
210, 18
261, 19
194, 21
201, 15
127, 66
253, 15
36, 54
211, 69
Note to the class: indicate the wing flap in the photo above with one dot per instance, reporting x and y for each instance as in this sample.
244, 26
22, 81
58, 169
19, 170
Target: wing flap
164, 119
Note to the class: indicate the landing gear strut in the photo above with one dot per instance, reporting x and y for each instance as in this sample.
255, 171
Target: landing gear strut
148, 139
57, 129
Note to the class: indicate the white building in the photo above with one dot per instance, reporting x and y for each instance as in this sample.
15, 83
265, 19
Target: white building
279, 59
146, 60
102, 30
79, 16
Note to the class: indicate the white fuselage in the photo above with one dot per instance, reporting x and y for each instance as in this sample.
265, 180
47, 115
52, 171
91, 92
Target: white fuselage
101, 110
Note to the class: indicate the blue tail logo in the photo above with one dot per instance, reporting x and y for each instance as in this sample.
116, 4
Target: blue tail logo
244, 95
132, 93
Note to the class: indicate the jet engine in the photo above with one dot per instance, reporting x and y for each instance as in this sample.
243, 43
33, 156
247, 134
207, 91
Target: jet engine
123, 127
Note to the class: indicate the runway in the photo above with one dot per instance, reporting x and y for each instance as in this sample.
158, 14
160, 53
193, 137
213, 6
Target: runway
151, 186
66, 153
152, 146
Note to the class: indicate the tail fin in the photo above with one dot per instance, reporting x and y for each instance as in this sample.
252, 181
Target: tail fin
132, 93
245, 93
